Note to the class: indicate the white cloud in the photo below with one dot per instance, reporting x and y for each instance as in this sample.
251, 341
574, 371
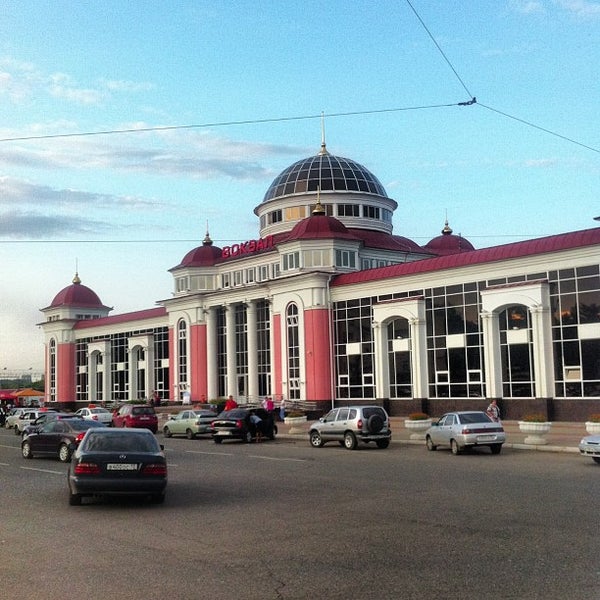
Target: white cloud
581, 8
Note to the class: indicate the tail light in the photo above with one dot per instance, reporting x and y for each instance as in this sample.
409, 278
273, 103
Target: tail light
239, 424
79, 437
155, 469
86, 468
360, 424
94, 417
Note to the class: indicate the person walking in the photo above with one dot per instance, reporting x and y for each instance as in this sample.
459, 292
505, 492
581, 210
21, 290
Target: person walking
493, 411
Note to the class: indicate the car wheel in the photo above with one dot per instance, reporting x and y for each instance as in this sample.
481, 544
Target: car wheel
190, 434
74, 499
383, 443
596, 459
218, 440
349, 440
429, 443
17, 432
454, 447
64, 454
316, 441
248, 437
375, 424
167, 432
26, 450
496, 448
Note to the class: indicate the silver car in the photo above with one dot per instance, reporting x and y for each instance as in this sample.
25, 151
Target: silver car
189, 423
465, 429
350, 425
590, 446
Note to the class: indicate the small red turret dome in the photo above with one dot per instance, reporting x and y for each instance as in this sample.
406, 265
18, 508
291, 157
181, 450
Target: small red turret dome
202, 256
319, 226
448, 243
77, 294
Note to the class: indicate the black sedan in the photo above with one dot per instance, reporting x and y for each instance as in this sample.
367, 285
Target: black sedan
245, 424
57, 438
44, 418
118, 462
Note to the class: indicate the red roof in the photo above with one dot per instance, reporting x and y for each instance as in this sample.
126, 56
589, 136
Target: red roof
150, 313
320, 227
78, 295
553, 243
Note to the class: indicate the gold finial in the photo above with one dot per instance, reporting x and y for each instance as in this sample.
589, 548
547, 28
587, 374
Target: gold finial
76, 278
323, 146
447, 229
319, 209
207, 241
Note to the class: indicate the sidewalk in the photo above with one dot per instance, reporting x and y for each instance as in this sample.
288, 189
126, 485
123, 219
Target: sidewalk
563, 436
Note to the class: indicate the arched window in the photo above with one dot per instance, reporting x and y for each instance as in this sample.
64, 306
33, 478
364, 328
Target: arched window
293, 352
182, 354
52, 369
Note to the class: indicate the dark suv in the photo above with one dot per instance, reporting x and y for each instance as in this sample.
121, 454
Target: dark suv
136, 415
350, 425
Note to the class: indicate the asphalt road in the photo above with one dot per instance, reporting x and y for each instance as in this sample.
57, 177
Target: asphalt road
282, 520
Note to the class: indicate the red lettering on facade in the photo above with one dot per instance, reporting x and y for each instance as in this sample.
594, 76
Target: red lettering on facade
247, 247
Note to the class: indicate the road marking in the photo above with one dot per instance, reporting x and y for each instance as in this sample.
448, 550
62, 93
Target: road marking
211, 453
43, 470
279, 459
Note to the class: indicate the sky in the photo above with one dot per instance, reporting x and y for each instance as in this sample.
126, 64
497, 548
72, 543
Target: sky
219, 97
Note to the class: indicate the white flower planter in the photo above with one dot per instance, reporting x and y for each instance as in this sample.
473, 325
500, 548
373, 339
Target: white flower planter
297, 424
417, 427
592, 428
536, 432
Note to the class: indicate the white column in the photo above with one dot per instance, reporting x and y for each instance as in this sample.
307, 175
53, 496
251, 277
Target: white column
230, 345
418, 346
132, 373
149, 370
382, 378
541, 329
492, 357
252, 350
211, 354
91, 376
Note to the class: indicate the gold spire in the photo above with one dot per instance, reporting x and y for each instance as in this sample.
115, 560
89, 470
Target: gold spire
319, 209
207, 241
323, 146
76, 278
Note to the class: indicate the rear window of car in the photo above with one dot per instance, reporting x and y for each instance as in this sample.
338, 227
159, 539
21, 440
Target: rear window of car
369, 411
235, 413
121, 442
474, 417
142, 410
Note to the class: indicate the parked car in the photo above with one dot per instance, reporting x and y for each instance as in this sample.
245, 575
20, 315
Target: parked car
96, 413
136, 415
465, 429
237, 424
44, 418
57, 438
14, 414
115, 462
27, 418
189, 423
350, 425
590, 446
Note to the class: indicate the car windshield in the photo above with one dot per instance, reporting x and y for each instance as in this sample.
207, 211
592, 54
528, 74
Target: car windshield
98, 411
474, 417
121, 442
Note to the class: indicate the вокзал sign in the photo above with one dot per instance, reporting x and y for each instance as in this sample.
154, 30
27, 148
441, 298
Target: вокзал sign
248, 247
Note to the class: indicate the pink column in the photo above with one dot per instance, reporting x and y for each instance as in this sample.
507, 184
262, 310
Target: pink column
198, 369
318, 354
65, 373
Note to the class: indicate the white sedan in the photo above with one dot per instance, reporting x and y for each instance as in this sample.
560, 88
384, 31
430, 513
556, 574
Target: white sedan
189, 423
96, 413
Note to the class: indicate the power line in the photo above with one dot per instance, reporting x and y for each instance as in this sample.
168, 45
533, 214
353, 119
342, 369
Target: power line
225, 123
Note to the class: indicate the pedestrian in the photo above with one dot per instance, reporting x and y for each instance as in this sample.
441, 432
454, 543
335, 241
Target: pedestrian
257, 424
156, 398
493, 411
282, 410
230, 404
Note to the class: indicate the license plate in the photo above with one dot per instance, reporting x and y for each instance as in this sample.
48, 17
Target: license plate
485, 438
121, 467
144, 418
